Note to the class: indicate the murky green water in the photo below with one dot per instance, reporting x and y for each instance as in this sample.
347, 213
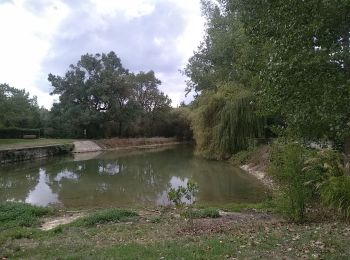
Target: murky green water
125, 179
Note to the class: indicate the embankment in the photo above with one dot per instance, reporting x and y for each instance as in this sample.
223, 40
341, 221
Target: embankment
30, 153
122, 143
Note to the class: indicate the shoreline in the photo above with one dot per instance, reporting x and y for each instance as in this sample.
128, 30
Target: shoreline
259, 174
115, 144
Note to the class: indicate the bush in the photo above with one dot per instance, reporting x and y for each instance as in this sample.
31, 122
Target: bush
14, 214
17, 133
287, 163
322, 165
203, 213
106, 216
335, 193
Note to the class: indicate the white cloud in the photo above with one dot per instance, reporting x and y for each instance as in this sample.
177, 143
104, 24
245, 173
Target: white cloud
25, 41
30, 31
130, 8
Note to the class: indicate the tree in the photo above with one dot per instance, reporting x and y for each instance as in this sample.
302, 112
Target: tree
293, 56
305, 76
100, 95
92, 92
17, 109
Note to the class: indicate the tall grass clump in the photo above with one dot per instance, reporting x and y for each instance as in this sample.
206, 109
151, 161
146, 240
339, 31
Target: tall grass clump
309, 177
287, 163
224, 121
335, 194
105, 216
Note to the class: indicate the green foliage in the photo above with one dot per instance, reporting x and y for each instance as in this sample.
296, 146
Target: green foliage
320, 166
180, 123
17, 109
20, 214
335, 193
102, 97
292, 55
240, 158
203, 213
177, 195
307, 176
189, 192
305, 72
287, 162
105, 216
224, 122
15, 132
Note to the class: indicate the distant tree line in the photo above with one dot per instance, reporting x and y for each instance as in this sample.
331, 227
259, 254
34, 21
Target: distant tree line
99, 98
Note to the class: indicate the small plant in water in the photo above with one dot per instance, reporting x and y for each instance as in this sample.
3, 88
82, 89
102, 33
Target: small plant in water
189, 192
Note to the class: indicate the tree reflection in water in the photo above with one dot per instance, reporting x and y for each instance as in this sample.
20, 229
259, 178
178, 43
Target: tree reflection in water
126, 179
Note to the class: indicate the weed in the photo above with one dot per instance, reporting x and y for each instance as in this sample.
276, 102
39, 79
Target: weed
13, 214
336, 194
204, 213
105, 216
287, 167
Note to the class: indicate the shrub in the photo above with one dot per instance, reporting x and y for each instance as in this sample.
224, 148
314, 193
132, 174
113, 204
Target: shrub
189, 193
335, 193
13, 214
15, 132
106, 216
287, 162
320, 166
203, 213
177, 195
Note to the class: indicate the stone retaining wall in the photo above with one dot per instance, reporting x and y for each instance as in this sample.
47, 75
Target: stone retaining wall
30, 153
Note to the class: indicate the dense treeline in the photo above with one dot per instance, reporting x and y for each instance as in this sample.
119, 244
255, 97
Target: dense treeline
278, 68
98, 98
101, 97
291, 56
18, 109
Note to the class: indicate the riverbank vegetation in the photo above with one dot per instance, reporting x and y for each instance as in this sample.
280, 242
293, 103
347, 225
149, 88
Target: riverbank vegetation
272, 72
98, 98
275, 71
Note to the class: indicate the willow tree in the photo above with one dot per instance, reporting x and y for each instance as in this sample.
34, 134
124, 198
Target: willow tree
224, 122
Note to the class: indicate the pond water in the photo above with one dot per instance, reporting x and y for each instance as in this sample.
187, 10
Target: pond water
125, 179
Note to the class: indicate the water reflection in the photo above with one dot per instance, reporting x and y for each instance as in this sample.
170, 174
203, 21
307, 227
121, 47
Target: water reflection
125, 179
42, 194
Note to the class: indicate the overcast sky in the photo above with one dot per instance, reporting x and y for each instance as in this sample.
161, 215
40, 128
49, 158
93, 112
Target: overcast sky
39, 37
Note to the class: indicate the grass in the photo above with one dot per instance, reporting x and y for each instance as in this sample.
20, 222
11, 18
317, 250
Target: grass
107, 237
22, 143
106, 216
268, 205
20, 215
203, 213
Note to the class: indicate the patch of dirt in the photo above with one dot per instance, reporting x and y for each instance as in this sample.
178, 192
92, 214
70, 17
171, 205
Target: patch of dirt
52, 223
257, 166
260, 175
227, 221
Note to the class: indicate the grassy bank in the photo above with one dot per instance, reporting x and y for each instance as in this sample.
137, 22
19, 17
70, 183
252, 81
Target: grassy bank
162, 234
23, 143
114, 143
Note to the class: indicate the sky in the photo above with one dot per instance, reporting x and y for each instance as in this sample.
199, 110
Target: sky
39, 37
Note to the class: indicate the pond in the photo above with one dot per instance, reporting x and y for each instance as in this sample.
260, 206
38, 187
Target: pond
125, 179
